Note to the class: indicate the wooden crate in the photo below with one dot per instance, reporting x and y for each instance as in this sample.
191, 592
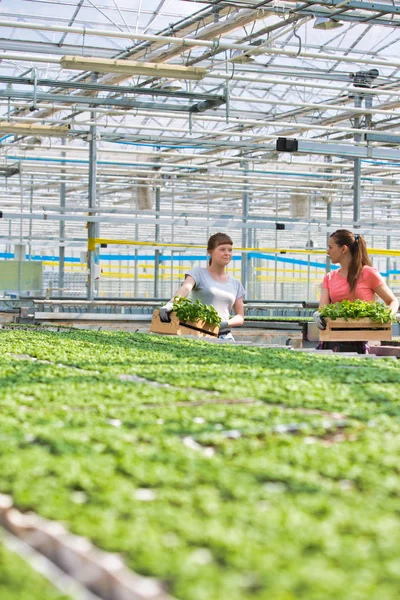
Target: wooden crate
175, 327
355, 330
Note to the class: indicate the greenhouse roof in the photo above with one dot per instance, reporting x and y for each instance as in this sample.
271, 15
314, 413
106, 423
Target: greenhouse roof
186, 146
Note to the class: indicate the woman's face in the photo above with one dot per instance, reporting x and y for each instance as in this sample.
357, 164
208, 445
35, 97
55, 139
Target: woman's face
221, 255
335, 252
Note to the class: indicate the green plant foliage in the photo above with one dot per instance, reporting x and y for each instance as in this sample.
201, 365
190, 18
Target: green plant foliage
224, 471
188, 311
377, 312
18, 581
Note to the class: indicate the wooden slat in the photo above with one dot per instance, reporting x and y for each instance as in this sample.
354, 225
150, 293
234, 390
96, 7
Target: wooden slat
176, 328
355, 330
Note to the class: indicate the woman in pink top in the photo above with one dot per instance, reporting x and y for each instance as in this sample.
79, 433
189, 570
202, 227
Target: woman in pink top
356, 279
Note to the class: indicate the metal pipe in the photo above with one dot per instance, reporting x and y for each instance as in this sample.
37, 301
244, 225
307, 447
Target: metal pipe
92, 205
291, 83
218, 171
357, 192
328, 222
357, 166
102, 101
245, 213
319, 105
61, 251
179, 108
276, 246
117, 89
136, 271
183, 41
30, 222
295, 126
250, 282
157, 237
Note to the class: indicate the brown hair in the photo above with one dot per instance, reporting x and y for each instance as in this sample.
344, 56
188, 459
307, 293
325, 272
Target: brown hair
358, 250
218, 239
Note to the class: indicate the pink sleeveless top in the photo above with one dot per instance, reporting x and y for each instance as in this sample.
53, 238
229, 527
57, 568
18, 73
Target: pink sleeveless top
366, 285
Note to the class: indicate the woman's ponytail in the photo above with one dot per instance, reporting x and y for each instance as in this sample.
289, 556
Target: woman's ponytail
358, 250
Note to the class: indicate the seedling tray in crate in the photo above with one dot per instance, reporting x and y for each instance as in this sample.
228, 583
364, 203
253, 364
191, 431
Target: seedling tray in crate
355, 330
176, 327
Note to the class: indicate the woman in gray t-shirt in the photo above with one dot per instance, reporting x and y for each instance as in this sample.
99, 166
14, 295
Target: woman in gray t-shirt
212, 285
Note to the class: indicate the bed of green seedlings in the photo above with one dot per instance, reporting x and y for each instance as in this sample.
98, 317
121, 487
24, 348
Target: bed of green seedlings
224, 471
18, 581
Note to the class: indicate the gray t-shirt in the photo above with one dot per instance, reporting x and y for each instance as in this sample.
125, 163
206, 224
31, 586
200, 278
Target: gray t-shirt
209, 291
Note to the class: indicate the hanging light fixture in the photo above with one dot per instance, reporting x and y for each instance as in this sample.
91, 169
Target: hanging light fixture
168, 85
326, 23
242, 58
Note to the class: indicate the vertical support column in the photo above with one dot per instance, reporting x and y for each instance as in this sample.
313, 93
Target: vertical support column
308, 255
20, 254
136, 270
250, 244
357, 168
21, 205
172, 237
91, 260
388, 261
61, 250
357, 192
328, 222
8, 247
157, 239
245, 214
31, 220
208, 213
276, 253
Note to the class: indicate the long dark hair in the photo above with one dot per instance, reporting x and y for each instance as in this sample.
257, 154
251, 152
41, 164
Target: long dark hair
358, 250
218, 239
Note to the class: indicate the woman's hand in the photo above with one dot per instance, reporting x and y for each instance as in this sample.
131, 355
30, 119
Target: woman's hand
223, 327
319, 321
165, 311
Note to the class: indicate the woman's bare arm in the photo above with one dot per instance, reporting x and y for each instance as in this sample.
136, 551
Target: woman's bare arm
238, 319
388, 297
185, 288
324, 300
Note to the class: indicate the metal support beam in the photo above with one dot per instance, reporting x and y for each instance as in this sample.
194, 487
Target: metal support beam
380, 7
91, 258
125, 103
328, 222
345, 150
30, 222
245, 214
357, 192
61, 251
349, 16
384, 138
116, 89
357, 166
157, 238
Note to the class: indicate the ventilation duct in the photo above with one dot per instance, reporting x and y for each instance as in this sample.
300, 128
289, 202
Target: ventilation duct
143, 197
299, 205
